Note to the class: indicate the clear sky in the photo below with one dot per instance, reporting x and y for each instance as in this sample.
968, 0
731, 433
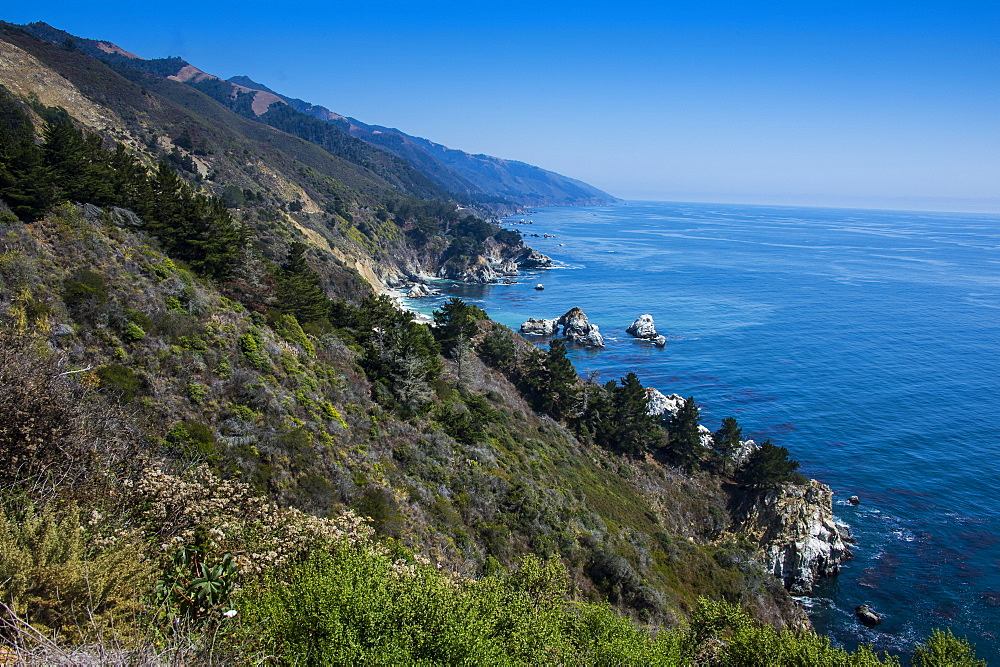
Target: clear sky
878, 103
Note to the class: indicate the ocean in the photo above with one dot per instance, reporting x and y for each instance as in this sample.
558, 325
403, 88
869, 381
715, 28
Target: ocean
867, 342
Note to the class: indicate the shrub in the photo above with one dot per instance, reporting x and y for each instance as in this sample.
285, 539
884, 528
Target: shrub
119, 381
252, 345
944, 649
52, 578
133, 332
193, 440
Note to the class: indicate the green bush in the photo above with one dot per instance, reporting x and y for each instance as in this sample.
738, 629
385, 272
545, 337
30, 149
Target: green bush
356, 605
193, 440
51, 577
944, 649
119, 381
84, 291
133, 332
252, 345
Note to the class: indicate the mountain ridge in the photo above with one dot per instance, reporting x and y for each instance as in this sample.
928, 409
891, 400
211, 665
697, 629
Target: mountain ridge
470, 178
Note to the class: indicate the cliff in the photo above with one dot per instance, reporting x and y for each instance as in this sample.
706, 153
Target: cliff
793, 526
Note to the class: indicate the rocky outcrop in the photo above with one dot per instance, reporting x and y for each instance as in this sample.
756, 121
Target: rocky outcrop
420, 291
643, 327
794, 527
476, 269
540, 327
659, 404
743, 452
577, 329
530, 258
867, 615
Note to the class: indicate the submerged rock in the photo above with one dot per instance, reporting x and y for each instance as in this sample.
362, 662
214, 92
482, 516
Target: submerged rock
643, 327
794, 527
540, 327
577, 329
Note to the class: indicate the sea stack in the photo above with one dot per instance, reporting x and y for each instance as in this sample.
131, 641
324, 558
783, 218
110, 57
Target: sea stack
643, 328
577, 329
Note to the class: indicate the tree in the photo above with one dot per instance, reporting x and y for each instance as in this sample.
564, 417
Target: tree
684, 444
726, 442
456, 321
944, 649
619, 418
768, 467
299, 288
563, 383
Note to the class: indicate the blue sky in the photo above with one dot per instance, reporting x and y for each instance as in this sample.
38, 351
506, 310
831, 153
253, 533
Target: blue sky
882, 104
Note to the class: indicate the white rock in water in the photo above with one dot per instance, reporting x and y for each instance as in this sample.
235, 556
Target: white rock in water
540, 327
419, 291
659, 404
643, 328
592, 338
577, 329
660, 341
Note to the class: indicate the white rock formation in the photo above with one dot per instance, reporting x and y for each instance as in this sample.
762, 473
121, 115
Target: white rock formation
660, 404
643, 328
743, 452
660, 341
577, 329
540, 327
420, 290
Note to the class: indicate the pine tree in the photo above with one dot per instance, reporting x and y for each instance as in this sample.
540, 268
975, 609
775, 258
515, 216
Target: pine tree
768, 467
684, 444
726, 442
563, 383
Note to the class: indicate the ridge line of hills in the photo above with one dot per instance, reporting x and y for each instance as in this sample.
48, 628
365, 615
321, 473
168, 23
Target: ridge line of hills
472, 179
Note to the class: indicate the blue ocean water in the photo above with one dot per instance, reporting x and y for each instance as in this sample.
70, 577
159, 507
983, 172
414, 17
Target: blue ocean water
866, 342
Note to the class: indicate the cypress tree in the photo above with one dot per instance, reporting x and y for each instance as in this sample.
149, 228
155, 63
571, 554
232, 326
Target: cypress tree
684, 436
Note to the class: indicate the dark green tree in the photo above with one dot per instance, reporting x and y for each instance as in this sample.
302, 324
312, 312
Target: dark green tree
726, 442
768, 467
456, 322
619, 419
563, 384
299, 289
684, 446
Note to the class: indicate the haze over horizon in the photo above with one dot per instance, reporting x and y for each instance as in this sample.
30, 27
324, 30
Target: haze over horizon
887, 106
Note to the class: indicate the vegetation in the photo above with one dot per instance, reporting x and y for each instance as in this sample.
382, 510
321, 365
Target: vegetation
216, 446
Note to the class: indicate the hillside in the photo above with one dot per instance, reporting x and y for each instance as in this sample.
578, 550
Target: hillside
414, 165
215, 432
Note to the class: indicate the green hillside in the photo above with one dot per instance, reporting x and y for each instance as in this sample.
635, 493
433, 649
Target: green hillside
219, 443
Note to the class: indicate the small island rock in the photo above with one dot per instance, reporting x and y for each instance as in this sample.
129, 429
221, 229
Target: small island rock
577, 329
643, 327
540, 327
867, 615
854, 500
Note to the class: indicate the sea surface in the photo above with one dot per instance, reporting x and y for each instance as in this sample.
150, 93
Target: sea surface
866, 342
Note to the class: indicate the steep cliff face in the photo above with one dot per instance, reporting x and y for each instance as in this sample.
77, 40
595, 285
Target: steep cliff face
796, 532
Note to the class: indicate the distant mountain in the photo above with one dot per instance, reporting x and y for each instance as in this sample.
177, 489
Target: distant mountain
412, 164
455, 170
